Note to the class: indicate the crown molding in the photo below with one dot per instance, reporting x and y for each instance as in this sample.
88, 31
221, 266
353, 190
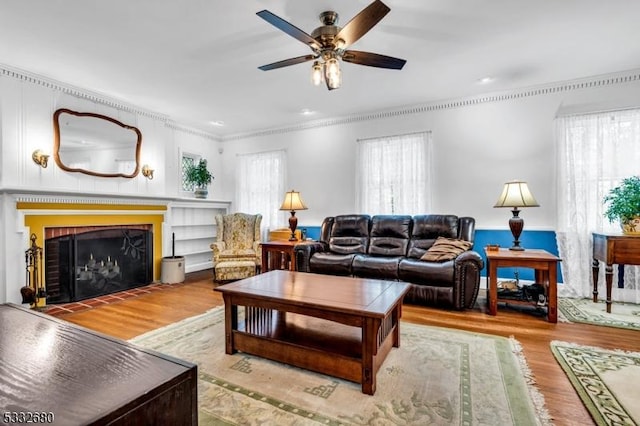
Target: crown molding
99, 98
190, 130
612, 79
77, 92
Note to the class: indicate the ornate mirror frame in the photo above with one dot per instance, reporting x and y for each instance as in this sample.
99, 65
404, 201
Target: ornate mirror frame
58, 141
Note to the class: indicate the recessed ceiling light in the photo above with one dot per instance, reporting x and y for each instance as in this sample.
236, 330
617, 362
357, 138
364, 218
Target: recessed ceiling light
485, 80
306, 111
217, 123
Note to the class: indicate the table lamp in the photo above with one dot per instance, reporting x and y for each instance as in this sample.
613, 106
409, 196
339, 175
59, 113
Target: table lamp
516, 194
293, 202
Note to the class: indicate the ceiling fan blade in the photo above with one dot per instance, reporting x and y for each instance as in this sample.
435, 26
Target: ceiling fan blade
362, 22
288, 28
287, 62
373, 59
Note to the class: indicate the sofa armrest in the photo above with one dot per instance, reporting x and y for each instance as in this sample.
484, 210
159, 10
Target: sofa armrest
303, 252
467, 267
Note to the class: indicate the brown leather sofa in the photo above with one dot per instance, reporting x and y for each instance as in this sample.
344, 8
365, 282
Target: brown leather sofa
390, 247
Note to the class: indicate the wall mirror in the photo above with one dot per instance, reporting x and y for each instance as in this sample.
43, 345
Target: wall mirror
95, 144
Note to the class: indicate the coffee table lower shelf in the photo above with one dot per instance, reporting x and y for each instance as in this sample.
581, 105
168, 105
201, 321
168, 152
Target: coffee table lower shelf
315, 344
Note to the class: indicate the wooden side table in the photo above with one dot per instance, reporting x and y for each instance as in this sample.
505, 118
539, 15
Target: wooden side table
612, 249
278, 254
546, 273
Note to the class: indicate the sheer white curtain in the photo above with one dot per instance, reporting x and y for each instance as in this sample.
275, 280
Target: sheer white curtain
393, 174
260, 180
594, 152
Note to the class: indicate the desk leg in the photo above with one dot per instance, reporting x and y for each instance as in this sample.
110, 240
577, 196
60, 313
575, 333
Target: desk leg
552, 293
595, 271
493, 288
265, 261
608, 275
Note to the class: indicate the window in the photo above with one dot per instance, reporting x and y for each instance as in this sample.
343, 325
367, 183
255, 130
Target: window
393, 174
187, 161
595, 152
260, 187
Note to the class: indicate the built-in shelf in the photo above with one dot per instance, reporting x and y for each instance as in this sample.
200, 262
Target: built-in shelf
193, 226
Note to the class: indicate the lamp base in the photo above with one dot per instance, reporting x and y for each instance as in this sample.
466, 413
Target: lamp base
516, 224
293, 224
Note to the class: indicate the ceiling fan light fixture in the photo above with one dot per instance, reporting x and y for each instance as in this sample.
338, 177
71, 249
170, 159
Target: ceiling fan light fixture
329, 44
332, 71
316, 73
334, 80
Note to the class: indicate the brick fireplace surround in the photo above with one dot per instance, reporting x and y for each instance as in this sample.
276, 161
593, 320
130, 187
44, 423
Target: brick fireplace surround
55, 216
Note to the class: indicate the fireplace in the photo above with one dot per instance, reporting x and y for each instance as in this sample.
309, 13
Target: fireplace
82, 263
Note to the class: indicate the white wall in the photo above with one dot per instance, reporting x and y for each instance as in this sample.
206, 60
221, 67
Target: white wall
477, 147
27, 105
26, 111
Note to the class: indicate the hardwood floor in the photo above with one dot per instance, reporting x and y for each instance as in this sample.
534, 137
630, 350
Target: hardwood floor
131, 317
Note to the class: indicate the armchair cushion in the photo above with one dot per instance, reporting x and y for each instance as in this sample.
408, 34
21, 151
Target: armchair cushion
444, 249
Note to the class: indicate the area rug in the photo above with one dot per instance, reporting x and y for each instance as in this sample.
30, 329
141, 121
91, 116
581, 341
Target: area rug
606, 380
437, 376
623, 315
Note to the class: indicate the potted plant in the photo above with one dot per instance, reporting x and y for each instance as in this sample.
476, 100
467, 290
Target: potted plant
624, 205
199, 177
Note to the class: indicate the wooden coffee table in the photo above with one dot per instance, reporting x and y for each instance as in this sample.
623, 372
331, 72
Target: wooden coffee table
340, 326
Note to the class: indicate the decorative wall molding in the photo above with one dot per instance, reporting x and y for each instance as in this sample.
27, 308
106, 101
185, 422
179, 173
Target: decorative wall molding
632, 76
175, 126
77, 92
76, 200
107, 200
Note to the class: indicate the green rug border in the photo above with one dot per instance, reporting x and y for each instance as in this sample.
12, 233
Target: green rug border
506, 348
571, 317
591, 407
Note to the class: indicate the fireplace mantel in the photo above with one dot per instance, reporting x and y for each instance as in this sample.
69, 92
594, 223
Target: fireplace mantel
28, 211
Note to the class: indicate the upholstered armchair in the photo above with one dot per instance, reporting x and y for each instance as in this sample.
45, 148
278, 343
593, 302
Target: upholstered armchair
236, 251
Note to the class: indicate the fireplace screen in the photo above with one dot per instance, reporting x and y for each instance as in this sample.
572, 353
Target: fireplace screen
98, 262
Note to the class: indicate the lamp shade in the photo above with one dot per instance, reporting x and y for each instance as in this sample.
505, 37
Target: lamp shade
516, 194
292, 202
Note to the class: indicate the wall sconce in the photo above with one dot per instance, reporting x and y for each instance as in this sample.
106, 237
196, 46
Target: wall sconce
40, 158
147, 172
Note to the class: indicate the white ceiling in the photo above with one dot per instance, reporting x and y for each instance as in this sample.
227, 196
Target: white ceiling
196, 60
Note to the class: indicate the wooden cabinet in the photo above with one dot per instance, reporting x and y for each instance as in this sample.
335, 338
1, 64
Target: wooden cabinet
68, 375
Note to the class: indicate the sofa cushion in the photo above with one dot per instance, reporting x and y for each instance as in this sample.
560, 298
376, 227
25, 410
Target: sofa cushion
436, 274
349, 234
378, 267
445, 249
426, 230
389, 235
331, 263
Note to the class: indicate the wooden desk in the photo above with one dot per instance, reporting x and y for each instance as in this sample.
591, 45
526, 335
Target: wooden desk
278, 254
612, 249
546, 273
68, 375
340, 326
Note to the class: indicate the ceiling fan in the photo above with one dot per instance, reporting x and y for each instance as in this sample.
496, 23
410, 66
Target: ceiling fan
329, 43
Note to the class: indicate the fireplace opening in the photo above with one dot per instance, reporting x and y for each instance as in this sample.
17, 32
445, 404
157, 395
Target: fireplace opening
82, 265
